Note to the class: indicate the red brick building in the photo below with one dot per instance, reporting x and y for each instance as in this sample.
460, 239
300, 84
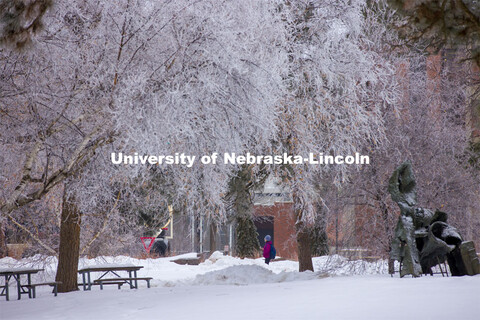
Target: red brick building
278, 221
274, 215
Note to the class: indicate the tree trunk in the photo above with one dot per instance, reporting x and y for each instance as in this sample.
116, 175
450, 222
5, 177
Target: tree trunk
318, 233
304, 249
303, 236
3, 243
69, 248
246, 244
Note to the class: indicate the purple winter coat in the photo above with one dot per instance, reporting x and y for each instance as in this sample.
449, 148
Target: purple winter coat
266, 249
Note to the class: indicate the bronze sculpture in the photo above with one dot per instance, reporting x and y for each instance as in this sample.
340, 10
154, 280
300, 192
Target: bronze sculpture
423, 238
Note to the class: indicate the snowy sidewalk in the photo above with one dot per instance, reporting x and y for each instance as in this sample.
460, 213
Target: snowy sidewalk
231, 288
356, 297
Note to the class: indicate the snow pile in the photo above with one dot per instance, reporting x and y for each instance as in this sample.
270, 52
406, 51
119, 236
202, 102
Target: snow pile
217, 255
249, 274
237, 275
237, 271
191, 255
333, 265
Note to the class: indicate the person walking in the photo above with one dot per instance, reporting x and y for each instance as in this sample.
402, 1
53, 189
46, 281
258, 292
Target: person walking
267, 248
160, 247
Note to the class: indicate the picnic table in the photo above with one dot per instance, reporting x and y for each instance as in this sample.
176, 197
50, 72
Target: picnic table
22, 288
115, 278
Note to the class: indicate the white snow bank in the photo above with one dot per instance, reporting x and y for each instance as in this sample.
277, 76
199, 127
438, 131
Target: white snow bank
249, 274
191, 255
355, 297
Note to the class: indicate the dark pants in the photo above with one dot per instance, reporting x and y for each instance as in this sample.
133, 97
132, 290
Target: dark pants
159, 248
267, 260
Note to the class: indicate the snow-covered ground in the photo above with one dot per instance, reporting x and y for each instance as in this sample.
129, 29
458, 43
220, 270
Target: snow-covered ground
230, 288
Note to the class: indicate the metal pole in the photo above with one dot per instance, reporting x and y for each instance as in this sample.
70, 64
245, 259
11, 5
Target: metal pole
230, 240
336, 223
201, 234
192, 219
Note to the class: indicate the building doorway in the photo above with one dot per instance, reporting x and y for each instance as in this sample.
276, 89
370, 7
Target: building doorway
264, 226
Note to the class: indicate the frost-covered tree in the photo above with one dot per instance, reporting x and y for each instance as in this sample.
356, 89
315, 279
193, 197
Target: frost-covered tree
149, 77
213, 87
339, 85
53, 114
56, 100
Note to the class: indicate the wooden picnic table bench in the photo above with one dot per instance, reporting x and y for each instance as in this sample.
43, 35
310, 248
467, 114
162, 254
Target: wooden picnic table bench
131, 280
23, 288
53, 284
120, 281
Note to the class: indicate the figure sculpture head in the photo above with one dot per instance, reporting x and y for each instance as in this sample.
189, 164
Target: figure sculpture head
402, 187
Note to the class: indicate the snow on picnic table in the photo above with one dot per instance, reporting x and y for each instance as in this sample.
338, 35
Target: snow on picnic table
224, 287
